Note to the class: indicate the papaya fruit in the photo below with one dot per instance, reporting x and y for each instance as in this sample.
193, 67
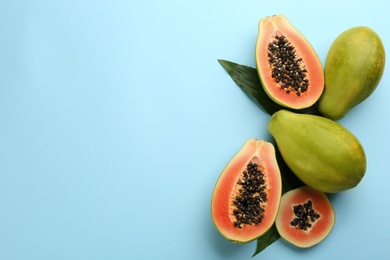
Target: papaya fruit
305, 217
319, 151
247, 194
353, 69
290, 70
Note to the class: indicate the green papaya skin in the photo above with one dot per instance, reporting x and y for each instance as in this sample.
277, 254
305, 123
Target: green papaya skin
321, 152
353, 69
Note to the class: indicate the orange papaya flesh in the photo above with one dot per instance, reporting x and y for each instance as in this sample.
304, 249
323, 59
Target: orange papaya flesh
247, 194
289, 68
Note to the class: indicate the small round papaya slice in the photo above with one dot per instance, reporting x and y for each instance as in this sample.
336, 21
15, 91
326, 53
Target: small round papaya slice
305, 217
247, 194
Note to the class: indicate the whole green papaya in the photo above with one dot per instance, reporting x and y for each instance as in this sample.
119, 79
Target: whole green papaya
353, 69
321, 152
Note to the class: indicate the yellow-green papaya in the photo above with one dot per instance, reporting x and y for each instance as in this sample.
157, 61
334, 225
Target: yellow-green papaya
321, 152
353, 69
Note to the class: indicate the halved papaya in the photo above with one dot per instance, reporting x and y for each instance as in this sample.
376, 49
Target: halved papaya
305, 217
247, 194
288, 66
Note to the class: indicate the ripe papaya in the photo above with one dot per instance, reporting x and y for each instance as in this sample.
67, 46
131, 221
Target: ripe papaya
353, 69
247, 194
305, 217
290, 70
321, 152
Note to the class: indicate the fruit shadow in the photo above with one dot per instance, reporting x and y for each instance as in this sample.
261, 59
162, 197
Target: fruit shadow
295, 249
226, 249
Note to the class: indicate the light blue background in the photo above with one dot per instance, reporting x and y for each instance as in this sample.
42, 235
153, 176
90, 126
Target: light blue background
116, 120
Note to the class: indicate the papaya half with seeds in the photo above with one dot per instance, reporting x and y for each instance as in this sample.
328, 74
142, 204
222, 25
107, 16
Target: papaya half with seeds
290, 70
305, 217
319, 151
247, 194
353, 69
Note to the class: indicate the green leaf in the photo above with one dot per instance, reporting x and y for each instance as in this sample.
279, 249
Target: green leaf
248, 80
267, 239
